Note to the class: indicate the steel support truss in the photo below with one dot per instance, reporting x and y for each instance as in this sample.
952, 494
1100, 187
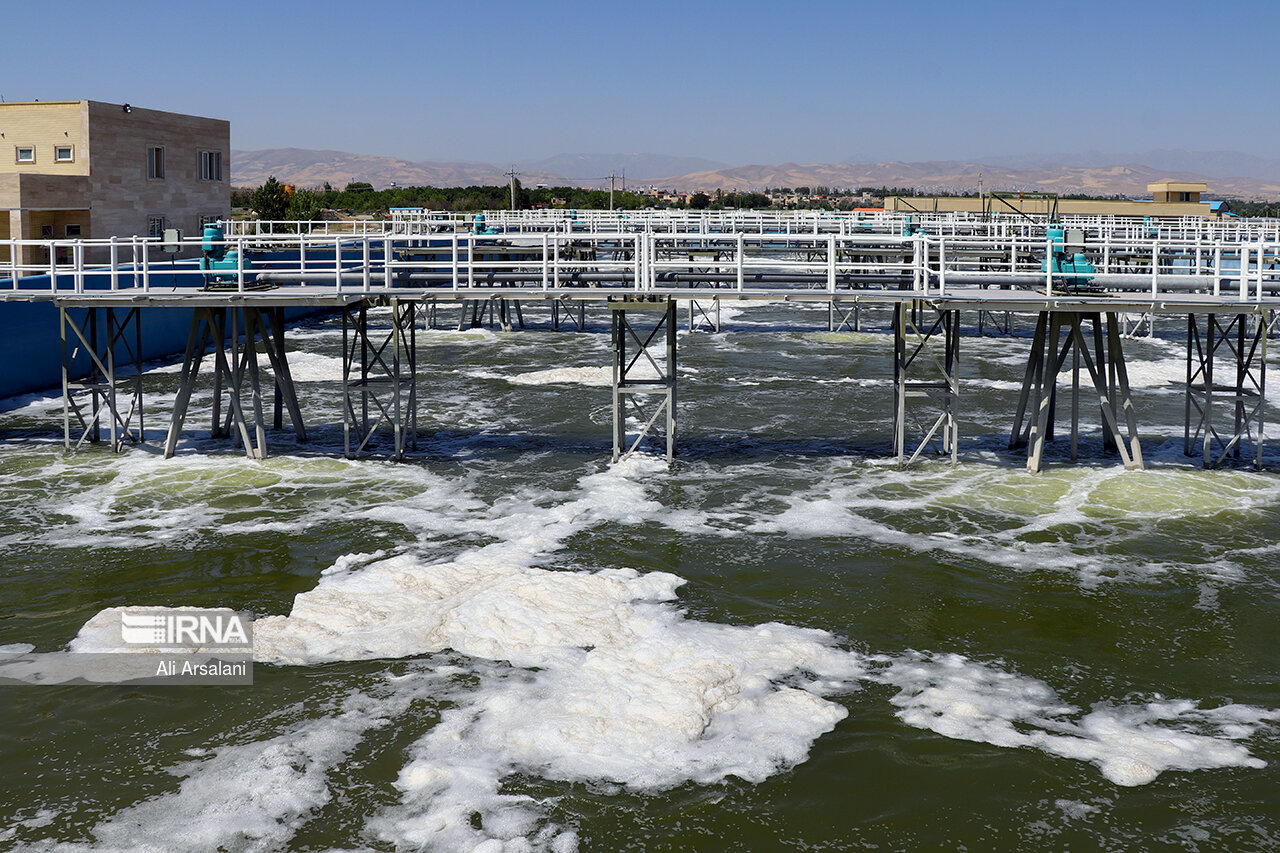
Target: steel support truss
916, 332
700, 317
1226, 387
111, 343
236, 334
644, 373
1059, 335
574, 311
505, 313
995, 322
843, 317
379, 378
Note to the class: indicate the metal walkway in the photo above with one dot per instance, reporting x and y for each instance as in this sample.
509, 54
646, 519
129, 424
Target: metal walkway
1228, 291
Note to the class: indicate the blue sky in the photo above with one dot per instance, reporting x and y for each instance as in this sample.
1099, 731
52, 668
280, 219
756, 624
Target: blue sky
743, 82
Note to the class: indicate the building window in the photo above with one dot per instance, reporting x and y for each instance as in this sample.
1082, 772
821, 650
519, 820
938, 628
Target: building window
155, 226
209, 219
63, 153
210, 165
73, 231
155, 162
25, 154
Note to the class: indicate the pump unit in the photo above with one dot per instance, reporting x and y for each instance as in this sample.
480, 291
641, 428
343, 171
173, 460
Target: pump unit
219, 263
1066, 256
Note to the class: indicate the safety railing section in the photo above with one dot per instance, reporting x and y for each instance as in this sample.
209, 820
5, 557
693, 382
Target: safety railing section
1244, 271
653, 260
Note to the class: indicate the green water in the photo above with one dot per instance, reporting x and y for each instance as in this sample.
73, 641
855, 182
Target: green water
1083, 589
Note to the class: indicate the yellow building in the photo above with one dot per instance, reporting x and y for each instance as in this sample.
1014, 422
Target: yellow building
1168, 198
91, 169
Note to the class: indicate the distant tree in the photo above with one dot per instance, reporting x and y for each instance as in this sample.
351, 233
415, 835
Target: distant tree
305, 205
271, 200
359, 187
700, 201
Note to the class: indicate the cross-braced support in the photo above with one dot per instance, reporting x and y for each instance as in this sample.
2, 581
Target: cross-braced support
505, 313
236, 334
574, 311
700, 317
916, 330
995, 322
842, 317
379, 374
643, 372
1059, 335
101, 394
1226, 387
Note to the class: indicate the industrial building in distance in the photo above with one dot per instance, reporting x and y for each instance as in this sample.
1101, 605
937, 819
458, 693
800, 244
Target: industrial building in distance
1168, 198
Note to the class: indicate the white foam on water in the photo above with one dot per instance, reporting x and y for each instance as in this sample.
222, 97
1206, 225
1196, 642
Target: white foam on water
311, 367
1001, 517
1147, 374
624, 692
256, 795
613, 684
598, 377
610, 683
1131, 743
136, 498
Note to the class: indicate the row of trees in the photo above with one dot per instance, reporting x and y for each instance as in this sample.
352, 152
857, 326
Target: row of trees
274, 200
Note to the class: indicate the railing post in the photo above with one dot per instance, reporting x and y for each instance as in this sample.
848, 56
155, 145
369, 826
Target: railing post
1244, 272
386, 262
741, 249
77, 257
1217, 269
942, 267
637, 283
1048, 266
337, 263
831, 263
364, 258
115, 262
1155, 267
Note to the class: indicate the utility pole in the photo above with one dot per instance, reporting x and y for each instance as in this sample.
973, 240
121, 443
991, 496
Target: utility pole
512, 175
612, 178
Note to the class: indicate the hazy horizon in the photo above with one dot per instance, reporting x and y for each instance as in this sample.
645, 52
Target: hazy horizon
741, 84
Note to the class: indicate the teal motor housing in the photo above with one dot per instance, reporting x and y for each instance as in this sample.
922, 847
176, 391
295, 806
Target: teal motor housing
217, 261
1074, 267
479, 227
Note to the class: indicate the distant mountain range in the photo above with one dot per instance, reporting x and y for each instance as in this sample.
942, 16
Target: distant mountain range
1089, 173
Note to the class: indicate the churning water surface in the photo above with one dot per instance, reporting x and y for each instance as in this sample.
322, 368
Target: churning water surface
782, 642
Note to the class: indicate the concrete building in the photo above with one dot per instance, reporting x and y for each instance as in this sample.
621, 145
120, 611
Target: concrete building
1168, 198
91, 169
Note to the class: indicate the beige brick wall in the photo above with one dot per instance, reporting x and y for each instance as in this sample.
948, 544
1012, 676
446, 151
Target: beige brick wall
44, 125
123, 197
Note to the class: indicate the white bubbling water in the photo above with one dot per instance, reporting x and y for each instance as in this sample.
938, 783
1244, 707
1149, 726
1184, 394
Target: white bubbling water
1130, 743
609, 682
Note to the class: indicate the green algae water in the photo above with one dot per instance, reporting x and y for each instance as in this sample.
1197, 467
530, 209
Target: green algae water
783, 642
